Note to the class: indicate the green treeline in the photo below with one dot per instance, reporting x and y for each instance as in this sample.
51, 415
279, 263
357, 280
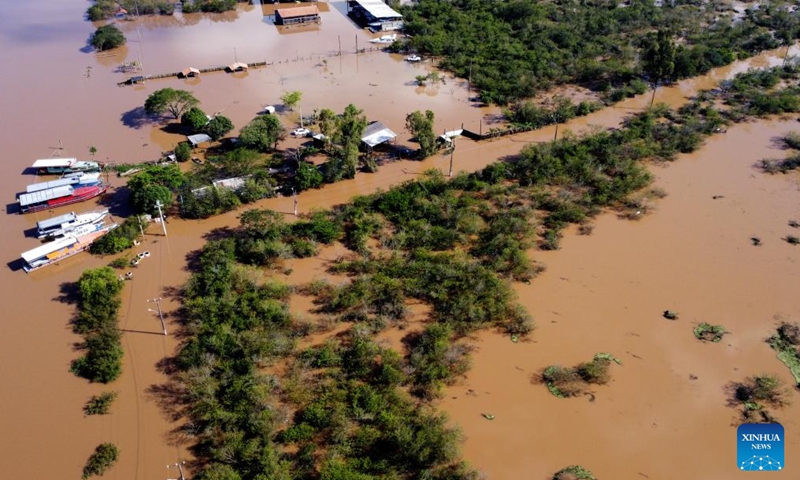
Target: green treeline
104, 9
353, 420
513, 49
98, 305
351, 407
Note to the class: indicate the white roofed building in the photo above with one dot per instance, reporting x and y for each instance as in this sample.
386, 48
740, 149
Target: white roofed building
377, 133
375, 14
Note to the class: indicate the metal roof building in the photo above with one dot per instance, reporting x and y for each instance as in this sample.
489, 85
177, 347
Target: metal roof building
197, 139
237, 67
375, 14
377, 133
189, 72
296, 15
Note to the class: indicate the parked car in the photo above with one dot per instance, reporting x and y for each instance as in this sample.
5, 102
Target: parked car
301, 132
414, 58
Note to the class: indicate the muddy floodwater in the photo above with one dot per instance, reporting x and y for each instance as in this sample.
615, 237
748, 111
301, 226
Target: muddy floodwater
604, 292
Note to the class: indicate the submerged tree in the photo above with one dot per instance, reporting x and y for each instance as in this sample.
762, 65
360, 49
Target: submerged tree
107, 37
170, 100
421, 126
262, 133
658, 59
218, 127
291, 99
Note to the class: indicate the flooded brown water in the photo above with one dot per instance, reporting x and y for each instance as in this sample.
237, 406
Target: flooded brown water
57, 92
606, 293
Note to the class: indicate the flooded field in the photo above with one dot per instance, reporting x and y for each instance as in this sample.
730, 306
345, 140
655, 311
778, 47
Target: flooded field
600, 293
663, 415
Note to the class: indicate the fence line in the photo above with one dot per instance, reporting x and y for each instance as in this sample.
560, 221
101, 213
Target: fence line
319, 57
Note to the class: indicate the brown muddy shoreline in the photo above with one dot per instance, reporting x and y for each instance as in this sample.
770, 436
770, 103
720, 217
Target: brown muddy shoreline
46, 434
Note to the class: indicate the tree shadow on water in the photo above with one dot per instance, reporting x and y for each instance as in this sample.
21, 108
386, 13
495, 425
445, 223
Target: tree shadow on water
136, 118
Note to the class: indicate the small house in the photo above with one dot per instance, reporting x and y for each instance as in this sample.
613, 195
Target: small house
297, 15
196, 140
377, 133
189, 72
237, 67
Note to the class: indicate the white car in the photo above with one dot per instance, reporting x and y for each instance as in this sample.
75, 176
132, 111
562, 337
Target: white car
414, 58
301, 132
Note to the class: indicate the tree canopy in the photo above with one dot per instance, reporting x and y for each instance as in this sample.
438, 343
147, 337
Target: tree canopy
170, 100
658, 58
194, 119
510, 50
262, 133
291, 99
218, 127
107, 37
421, 126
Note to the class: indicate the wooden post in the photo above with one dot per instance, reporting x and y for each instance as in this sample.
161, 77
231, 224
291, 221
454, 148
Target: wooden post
356, 44
340, 45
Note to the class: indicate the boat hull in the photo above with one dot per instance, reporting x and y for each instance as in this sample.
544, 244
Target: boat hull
85, 193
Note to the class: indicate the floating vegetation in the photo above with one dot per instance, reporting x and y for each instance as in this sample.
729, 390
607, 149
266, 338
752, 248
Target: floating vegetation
756, 393
670, 314
709, 333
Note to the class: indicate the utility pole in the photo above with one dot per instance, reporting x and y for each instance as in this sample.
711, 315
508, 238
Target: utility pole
452, 149
161, 216
180, 469
161, 317
141, 229
356, 44
340, 45
294, 193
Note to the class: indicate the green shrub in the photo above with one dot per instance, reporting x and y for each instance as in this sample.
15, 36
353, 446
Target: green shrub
709, 333
760, 390
100, 404
107, 37
104, 456
574, 472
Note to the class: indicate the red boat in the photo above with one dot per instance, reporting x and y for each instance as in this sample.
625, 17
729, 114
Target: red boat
79, 194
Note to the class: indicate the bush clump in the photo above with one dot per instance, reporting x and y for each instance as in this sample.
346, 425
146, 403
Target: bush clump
574, 472
99, 404
758, 391
786, 342
104, 456
569, 382
709, 333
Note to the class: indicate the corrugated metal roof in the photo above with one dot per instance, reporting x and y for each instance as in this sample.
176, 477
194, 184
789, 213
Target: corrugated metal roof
36, 187
48, 248
45, 195
297, 11
377, 133
198, 138
378, 9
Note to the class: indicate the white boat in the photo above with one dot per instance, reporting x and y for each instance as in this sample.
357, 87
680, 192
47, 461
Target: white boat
66, 224
414, 58
385, 39
75, 179
63, 248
